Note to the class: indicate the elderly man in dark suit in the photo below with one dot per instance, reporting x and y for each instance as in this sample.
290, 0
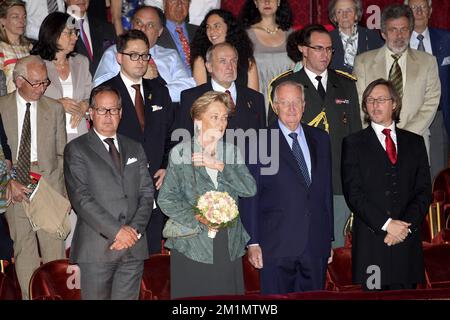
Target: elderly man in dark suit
111, 191
147, 115
221, 63
386, 182
178, 33
96, 35
436, 42
290, 220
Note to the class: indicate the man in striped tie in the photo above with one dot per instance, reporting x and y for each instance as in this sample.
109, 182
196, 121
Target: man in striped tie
413, 73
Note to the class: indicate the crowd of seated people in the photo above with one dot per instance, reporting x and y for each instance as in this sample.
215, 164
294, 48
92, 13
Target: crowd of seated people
334, 97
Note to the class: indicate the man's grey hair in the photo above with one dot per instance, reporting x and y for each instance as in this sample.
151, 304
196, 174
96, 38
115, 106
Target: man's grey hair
21, 67
332, 10
395, 11
429, 2
211, 49
288, 83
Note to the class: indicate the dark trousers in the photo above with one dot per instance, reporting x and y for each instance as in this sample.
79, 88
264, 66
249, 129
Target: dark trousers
6, 244
119, 280
293, 274
154, 231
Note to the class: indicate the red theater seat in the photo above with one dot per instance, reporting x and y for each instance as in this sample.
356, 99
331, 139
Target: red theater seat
156, 278
251, 277
437, 265
56, 280
339, 274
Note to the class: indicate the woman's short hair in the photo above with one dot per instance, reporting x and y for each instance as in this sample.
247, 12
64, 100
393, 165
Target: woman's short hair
49, 32
332, 10
392, 92
5, 5
200, 106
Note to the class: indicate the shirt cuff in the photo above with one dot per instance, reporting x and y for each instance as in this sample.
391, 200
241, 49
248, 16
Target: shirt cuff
384, 228
253, 245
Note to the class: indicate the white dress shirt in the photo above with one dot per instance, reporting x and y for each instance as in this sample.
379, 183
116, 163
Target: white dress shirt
382, 139
414, 42
128, 84
312, 76
36, 12
217, 87
401, 63
168, 62
102, 137
21, 110
67, 86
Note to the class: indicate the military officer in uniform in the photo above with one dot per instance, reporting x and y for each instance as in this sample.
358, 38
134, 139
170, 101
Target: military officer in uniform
331, 103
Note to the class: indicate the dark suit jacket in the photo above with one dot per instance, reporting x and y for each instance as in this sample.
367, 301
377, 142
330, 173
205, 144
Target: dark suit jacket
106, 199
158, 123
367, 40
375, 190
166, 40
342, 112
102, 37
250, 111
286, 218
440, 44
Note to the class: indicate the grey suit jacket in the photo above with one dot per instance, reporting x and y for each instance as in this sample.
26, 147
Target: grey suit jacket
81, 81
106, 199
166, 40
51, 136
421, 92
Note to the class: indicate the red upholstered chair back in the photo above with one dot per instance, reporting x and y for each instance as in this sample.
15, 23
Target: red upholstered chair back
156, 278
339, 275
56, 280
437, 265
442, 183
251, 277
7, 288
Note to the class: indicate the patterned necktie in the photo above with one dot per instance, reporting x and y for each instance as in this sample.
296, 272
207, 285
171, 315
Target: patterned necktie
139, 105
421, 46
390, 146
320, 88
232, 105
184, 44
23, 160
395, 75
85, 40
298, 154
115, 155
52, 6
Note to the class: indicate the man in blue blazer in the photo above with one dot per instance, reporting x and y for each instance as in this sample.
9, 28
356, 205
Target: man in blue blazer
290, 220
435, 42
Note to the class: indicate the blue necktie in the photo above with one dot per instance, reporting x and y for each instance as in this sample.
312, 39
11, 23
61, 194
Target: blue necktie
298, 154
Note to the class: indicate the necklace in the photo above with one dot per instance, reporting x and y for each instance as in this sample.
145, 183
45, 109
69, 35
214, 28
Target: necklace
270, 31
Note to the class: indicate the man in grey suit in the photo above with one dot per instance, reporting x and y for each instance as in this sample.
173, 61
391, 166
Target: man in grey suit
111, 191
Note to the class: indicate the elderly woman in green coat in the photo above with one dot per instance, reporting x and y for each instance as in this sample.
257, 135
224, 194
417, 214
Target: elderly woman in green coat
200, 265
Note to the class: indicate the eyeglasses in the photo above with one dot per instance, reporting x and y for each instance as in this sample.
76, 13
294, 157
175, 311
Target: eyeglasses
139, 24
381, 100
320, 49
104, 111
136, 56
44, 83
422, 7
71, 32
286, 104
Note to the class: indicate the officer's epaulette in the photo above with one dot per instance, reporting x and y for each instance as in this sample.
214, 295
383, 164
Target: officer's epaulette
346, 74
270, 84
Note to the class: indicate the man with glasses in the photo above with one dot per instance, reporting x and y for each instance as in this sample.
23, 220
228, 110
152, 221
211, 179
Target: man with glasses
110, 188
413, 73
331, 104
165, 64
386, 182
35, 127
177, 33
147, 115
436, 42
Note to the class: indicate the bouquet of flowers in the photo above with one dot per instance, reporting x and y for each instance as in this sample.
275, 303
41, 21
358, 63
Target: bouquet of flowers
218, 208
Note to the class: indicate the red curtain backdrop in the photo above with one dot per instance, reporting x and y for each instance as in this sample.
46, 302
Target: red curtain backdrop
308, 11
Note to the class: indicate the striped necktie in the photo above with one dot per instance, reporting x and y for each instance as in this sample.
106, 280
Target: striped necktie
421, 46
52, 6
395, 75
85, 40
298, 154
24, 157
